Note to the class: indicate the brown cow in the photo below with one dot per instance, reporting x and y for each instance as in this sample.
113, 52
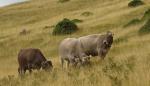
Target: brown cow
30, 58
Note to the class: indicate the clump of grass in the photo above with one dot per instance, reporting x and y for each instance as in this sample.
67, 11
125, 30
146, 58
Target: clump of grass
24, 32
34, 79
47, 27
146, 15
135, 3
87, 13
132, 22
77, 21
3, 37
65, 26
145, 29
62, 1
117, 71
10, 80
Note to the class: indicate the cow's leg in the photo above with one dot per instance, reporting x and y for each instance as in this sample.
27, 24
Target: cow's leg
38, 67
62, 62
78, 62
72, 61
30, 68
19, 71
30, 71
24, 71
68, 63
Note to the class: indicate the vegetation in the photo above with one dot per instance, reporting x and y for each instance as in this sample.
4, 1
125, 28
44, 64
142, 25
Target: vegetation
145, 29
87, 13
126, 64
136, 21
118, 72
133, 22
77, 21
146, 15
62, 1
65, 26
120, 40
135, 3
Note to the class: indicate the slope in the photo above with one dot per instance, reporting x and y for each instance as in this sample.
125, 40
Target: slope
130, 52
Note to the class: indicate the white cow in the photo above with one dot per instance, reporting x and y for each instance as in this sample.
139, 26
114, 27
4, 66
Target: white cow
75, 50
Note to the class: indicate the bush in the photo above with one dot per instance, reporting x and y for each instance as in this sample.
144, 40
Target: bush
146, 15
86, 13
65, 26
135, 3
62, 1
145, 29
132, 22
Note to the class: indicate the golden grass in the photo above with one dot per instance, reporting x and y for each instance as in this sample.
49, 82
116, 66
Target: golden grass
128, 59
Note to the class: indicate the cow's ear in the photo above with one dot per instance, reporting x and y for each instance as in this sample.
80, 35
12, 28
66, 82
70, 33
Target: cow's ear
109, 33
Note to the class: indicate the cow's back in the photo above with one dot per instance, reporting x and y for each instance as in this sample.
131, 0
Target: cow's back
67, 46
30, 55
89, 42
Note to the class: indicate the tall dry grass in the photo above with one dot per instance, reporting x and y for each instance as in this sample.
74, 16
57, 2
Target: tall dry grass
127, 63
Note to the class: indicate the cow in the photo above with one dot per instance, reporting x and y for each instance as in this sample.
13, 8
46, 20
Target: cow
32, 58
75, 50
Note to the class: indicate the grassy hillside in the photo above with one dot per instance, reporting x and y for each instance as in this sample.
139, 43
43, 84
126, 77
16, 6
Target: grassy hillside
127, 63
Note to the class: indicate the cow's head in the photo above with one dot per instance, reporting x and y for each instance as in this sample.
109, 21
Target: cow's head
47, 65
105, 44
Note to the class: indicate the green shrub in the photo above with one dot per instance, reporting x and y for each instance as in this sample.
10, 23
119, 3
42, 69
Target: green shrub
146, 15
65, 26
86, 13
77, 20
135, 3
132, 22
145, 29
62, 1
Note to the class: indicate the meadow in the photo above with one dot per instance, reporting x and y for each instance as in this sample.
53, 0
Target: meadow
126, 64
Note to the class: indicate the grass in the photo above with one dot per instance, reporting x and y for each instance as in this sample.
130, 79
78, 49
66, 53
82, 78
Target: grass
77, 21
133, 22
145, 29
146, 15
86, 14
62, 1
127, 63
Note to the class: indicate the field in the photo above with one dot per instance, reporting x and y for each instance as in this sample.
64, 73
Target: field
126, 64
